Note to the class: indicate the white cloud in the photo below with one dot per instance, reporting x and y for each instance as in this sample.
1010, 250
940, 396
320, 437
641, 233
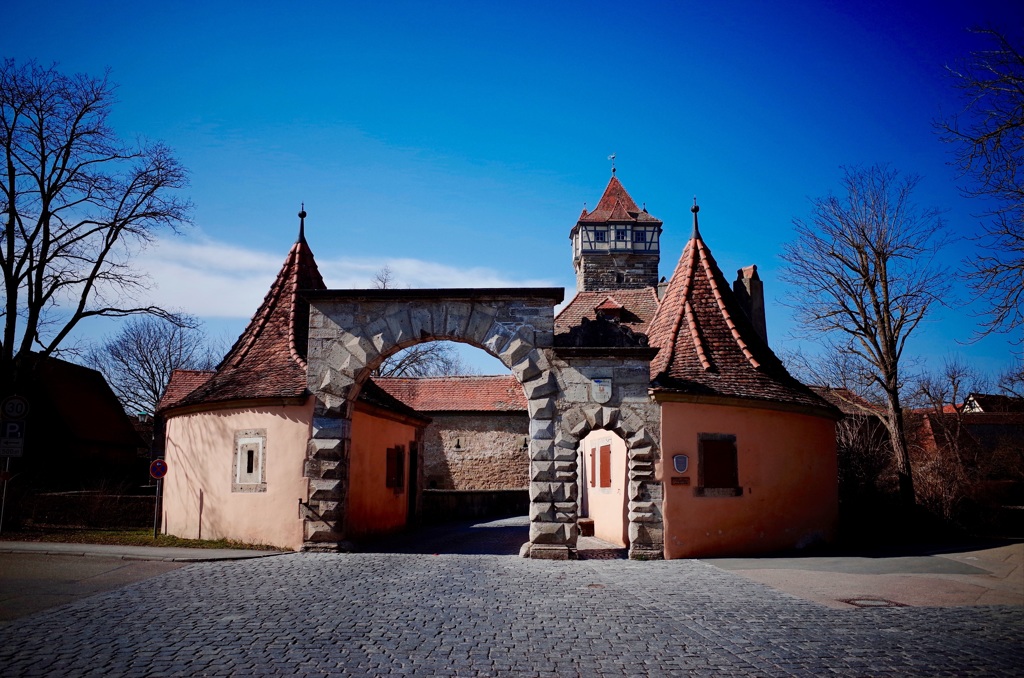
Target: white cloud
207, 278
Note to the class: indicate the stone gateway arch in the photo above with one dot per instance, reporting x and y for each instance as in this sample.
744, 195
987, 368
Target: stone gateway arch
352, 331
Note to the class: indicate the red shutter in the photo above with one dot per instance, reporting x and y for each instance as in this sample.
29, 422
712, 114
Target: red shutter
606, 466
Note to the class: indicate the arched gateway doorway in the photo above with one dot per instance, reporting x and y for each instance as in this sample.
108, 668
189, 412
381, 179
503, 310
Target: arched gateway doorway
352, 331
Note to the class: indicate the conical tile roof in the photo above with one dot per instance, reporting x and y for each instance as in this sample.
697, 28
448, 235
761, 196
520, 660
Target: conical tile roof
708, 346
617, 206
269, 358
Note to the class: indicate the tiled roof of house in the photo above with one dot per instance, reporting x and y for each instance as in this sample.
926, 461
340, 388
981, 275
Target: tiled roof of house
616, 206
989, 402
846, 401
372, 394
269, 358
501, 393
708, 346
182, 383
633, 308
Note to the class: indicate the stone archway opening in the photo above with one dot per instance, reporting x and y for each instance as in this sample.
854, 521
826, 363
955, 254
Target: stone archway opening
352, 331
604, 487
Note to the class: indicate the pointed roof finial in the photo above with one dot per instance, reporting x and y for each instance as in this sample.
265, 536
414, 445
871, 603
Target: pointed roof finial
695, 209
302, 223
612, 158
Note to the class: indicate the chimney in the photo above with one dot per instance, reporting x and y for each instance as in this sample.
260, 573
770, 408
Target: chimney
662, 286
749, 291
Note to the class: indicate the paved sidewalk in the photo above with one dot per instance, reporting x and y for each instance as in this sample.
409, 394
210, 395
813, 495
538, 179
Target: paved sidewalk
169, 554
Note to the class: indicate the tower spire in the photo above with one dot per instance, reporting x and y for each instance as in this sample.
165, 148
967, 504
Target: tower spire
302, 223
695, 209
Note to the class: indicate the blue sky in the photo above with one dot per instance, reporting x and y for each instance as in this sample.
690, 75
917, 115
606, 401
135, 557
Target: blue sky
457, 142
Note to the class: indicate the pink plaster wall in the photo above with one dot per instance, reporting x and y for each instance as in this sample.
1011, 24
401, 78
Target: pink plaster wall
198, 498
373, 507
787, 469
606, 505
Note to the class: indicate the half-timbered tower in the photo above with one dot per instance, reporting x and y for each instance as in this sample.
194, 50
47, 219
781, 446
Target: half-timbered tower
616, 246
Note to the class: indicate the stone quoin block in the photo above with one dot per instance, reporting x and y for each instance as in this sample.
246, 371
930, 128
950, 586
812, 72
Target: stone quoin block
497, 339
516, 349
325, 448
545, 385
379, 333
542, 512
542, 471
541, 408
526, 369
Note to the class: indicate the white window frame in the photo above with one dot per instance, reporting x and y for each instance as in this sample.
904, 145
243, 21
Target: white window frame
241, 480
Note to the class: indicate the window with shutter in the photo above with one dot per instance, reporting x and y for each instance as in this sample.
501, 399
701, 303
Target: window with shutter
606, 465
718, 473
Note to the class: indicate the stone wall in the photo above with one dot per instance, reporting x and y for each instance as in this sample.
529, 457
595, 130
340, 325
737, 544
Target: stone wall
616, 271
477, 451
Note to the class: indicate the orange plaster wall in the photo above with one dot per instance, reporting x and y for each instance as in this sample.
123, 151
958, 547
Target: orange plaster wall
606, 505
374, 508
198, 501
787, 468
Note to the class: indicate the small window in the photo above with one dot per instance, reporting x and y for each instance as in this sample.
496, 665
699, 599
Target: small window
249, 470
600, 236
395, 471
621, 234
606, 465
639, 236
718, 467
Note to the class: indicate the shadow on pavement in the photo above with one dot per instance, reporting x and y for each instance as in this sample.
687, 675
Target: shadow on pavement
496, 537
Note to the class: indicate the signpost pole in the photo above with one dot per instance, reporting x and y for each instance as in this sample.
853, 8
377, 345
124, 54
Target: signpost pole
3, 502
156, 507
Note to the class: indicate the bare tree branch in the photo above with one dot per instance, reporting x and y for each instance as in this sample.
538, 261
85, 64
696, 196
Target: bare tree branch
988, 137
77, 204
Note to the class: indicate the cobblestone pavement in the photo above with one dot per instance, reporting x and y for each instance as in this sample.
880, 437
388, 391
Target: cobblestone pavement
487, 614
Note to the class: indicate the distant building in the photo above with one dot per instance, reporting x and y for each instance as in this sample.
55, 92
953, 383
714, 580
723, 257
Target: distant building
77, 435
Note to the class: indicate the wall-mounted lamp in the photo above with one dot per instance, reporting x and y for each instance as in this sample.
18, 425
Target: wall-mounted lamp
457, 445
526, 443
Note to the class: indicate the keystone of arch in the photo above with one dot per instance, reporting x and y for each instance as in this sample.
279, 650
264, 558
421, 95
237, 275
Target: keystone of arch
456, 319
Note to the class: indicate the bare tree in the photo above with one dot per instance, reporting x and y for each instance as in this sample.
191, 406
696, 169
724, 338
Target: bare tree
945, 391
989, 139
866, 276
1011, 380
431, 359
77, 203
137, 362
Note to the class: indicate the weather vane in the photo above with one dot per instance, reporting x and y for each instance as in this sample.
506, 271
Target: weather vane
612, 158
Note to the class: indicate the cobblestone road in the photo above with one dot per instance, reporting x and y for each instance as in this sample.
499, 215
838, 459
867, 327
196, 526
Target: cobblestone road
484, 614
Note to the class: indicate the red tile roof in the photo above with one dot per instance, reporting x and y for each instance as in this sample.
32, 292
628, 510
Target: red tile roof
637, 308
182, 383
616, 206
269, 358
708, 346
458, 394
